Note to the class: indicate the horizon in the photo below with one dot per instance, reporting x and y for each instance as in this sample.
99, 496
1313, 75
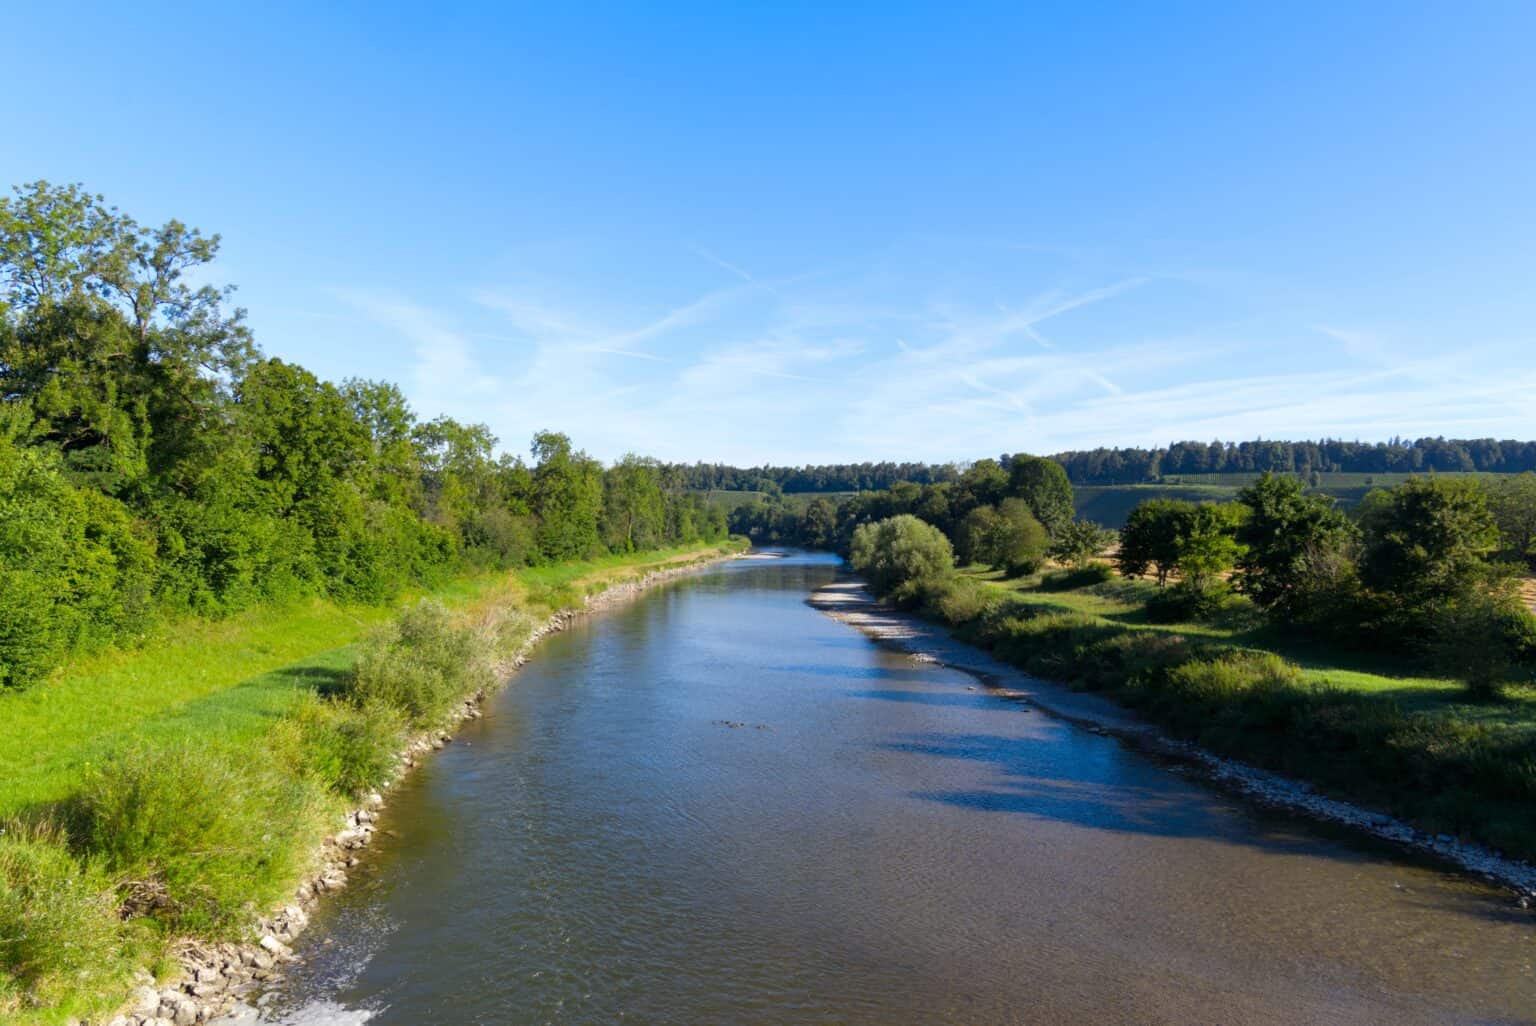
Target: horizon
798, 238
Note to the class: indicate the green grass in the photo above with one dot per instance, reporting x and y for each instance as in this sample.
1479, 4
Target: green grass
188, 782
232, 679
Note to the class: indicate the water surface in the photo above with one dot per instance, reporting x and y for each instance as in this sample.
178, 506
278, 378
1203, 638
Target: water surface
878, 841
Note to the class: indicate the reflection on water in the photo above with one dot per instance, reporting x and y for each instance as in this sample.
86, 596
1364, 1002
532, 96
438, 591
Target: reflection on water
877, 844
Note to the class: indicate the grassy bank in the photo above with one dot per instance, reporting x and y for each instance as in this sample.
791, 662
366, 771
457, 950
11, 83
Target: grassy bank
1358, 727
183, 787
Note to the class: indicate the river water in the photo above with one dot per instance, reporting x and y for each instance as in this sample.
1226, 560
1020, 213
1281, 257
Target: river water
879, 841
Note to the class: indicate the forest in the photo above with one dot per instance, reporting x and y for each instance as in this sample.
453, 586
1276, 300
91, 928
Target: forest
154, 462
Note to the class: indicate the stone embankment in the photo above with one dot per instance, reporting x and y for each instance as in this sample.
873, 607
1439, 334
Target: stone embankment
220, 979
852, 603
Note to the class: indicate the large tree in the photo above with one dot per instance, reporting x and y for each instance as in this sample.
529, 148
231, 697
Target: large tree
1044, 486
1294, 544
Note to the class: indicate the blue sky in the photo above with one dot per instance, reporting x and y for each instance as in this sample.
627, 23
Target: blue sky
812, 233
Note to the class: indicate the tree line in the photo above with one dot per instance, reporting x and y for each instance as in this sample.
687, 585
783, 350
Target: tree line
153, 461
1397, 456
1011, 513
1429, 568
837, 477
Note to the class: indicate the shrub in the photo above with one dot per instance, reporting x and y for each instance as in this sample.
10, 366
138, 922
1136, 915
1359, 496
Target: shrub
901, 555
1228, 676
959, 600
1187, 603
1083, 576
201, 838
59, 932
420, 665
348, 748
1482, 638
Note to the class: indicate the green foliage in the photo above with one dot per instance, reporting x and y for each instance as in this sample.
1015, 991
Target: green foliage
1077, 577
201, 839
1427, 539
1199, 540
152, 460
75, 567
1482, 637
901, 555
567, 498
419, 666
351, 749
1149, 541
1043, 485
59, 930
958, 600
1299, 550
1006, 536
1078, 543
1512, 502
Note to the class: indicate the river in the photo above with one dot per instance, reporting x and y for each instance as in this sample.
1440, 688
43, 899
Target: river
717, 805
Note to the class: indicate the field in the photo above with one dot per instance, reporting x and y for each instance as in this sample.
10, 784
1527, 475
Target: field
1111, 504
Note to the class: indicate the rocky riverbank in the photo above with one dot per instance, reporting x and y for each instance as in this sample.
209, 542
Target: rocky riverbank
850, 602
231, 982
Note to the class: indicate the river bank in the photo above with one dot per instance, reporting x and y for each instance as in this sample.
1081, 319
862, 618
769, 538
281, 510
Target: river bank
183, 740
883, 840
220, 980
852, 603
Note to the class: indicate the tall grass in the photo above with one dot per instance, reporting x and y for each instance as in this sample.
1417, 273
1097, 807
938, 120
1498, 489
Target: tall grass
421, 665
60, 937
199, 839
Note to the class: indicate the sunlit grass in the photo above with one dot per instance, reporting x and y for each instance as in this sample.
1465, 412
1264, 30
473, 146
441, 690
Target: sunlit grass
229, 681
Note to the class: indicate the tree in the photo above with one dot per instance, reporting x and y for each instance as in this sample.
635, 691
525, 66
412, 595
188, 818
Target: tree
984, 483
1426, 540
1294, 543
1044, 486
634, 510
901, 555
820, 530
1149, 541
1482, 637
1207, 542
1078, 542
1199, 540
1017, 542
1512, 501
567, 498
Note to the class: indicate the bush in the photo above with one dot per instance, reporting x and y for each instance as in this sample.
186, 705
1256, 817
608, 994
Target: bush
200, 838
1229, 676
59, 932
1084, 576
901, 556
1483, 639
959, 600
420, 665
1188, 603
350, 749
1078, 542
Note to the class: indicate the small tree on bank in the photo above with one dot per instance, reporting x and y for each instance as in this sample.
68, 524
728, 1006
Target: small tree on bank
900, 555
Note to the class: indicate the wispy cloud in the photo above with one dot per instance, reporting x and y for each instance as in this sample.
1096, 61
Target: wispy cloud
867, 365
